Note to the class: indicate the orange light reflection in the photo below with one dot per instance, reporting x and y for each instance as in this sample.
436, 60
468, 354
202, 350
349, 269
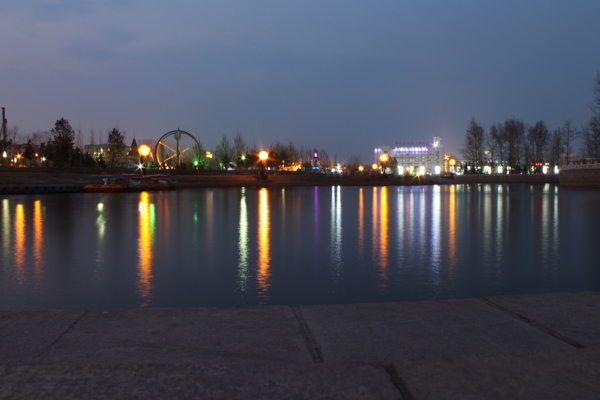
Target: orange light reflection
20, 243
383, 238
264, 256
145, 239
38, 239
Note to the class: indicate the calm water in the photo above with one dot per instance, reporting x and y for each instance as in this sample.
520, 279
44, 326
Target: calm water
299, 245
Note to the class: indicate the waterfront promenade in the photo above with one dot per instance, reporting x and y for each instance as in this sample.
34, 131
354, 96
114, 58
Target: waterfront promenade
508, 347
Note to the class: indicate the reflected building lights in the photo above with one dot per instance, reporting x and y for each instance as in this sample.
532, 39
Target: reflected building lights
264, 257
336, 229
145, 252
436, 231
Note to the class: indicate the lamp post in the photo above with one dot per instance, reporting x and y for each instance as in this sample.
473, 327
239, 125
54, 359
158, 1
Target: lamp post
263, 155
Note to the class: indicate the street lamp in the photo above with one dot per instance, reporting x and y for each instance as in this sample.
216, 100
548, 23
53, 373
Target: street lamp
383, 158
263, 155
361, 168
144, 151
452, 163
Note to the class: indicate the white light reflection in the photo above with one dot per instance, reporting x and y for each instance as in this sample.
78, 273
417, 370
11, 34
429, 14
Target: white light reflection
243, 252
436, 232
336, 229
100, 227
6, 232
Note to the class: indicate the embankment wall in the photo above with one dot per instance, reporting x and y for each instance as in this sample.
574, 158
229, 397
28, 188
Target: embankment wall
493, 178
585, 176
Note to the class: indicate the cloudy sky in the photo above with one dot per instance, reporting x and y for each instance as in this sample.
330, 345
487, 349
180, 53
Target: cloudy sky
343, 75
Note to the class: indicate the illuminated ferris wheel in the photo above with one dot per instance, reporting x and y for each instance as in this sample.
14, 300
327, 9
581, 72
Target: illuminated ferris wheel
177, 148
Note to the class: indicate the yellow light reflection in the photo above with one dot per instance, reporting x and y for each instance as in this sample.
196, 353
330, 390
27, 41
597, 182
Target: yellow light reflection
383, 239
20, 243
361, 223
38, 239
452, 230
145, 242
264, 257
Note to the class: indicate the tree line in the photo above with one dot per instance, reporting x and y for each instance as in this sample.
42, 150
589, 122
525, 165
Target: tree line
518, 147
63, 147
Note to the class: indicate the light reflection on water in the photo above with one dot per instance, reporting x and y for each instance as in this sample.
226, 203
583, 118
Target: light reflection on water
296, 245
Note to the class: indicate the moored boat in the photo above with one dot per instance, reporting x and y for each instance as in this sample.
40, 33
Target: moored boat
153, 182
113, 183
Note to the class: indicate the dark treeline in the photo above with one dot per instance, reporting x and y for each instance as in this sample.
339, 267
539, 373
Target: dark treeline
518, 147
63, 147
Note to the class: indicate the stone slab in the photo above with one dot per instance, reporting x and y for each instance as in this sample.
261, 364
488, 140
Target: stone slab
574, 315
183, 336
571, 374
26, 335
292, 381
390, 332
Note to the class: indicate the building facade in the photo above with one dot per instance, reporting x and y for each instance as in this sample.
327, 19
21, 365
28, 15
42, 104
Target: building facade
414, 157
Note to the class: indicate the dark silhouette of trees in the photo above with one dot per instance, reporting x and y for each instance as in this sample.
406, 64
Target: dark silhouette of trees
473, 147
116, 146
60, 147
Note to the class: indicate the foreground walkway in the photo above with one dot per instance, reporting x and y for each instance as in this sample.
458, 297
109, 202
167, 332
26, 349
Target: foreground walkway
509, 347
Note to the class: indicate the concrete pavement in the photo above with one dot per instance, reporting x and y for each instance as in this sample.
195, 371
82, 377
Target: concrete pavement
518, 347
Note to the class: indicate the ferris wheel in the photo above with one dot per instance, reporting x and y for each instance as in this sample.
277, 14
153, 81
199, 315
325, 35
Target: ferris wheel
176, 148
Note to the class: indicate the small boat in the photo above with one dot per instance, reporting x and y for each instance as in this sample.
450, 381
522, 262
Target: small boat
153, 182
113, 183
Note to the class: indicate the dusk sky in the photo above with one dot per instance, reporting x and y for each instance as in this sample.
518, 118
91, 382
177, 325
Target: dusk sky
345, 76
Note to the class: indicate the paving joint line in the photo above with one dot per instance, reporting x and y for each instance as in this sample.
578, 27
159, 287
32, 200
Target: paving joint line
313, 346
48, 349
533, 323
398, 382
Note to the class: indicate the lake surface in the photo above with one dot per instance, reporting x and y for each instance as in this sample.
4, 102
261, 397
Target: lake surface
295, 245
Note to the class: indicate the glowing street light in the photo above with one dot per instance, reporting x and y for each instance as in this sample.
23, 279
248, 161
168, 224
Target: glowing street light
144, 151
361, 168
263, 155
383, 158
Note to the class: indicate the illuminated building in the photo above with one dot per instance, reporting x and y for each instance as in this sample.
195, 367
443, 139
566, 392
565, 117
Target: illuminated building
414, 157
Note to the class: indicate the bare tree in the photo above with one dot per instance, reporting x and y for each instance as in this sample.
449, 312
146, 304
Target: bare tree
591, 138
513, 132
537, 139
569, 135
556, 147
474, 142
496, 137
595, 104
224, 152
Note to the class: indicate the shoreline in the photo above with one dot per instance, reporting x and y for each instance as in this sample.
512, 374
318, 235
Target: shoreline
53, 178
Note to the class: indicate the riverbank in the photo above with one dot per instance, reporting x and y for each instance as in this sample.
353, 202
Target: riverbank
49, 177
544, 346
